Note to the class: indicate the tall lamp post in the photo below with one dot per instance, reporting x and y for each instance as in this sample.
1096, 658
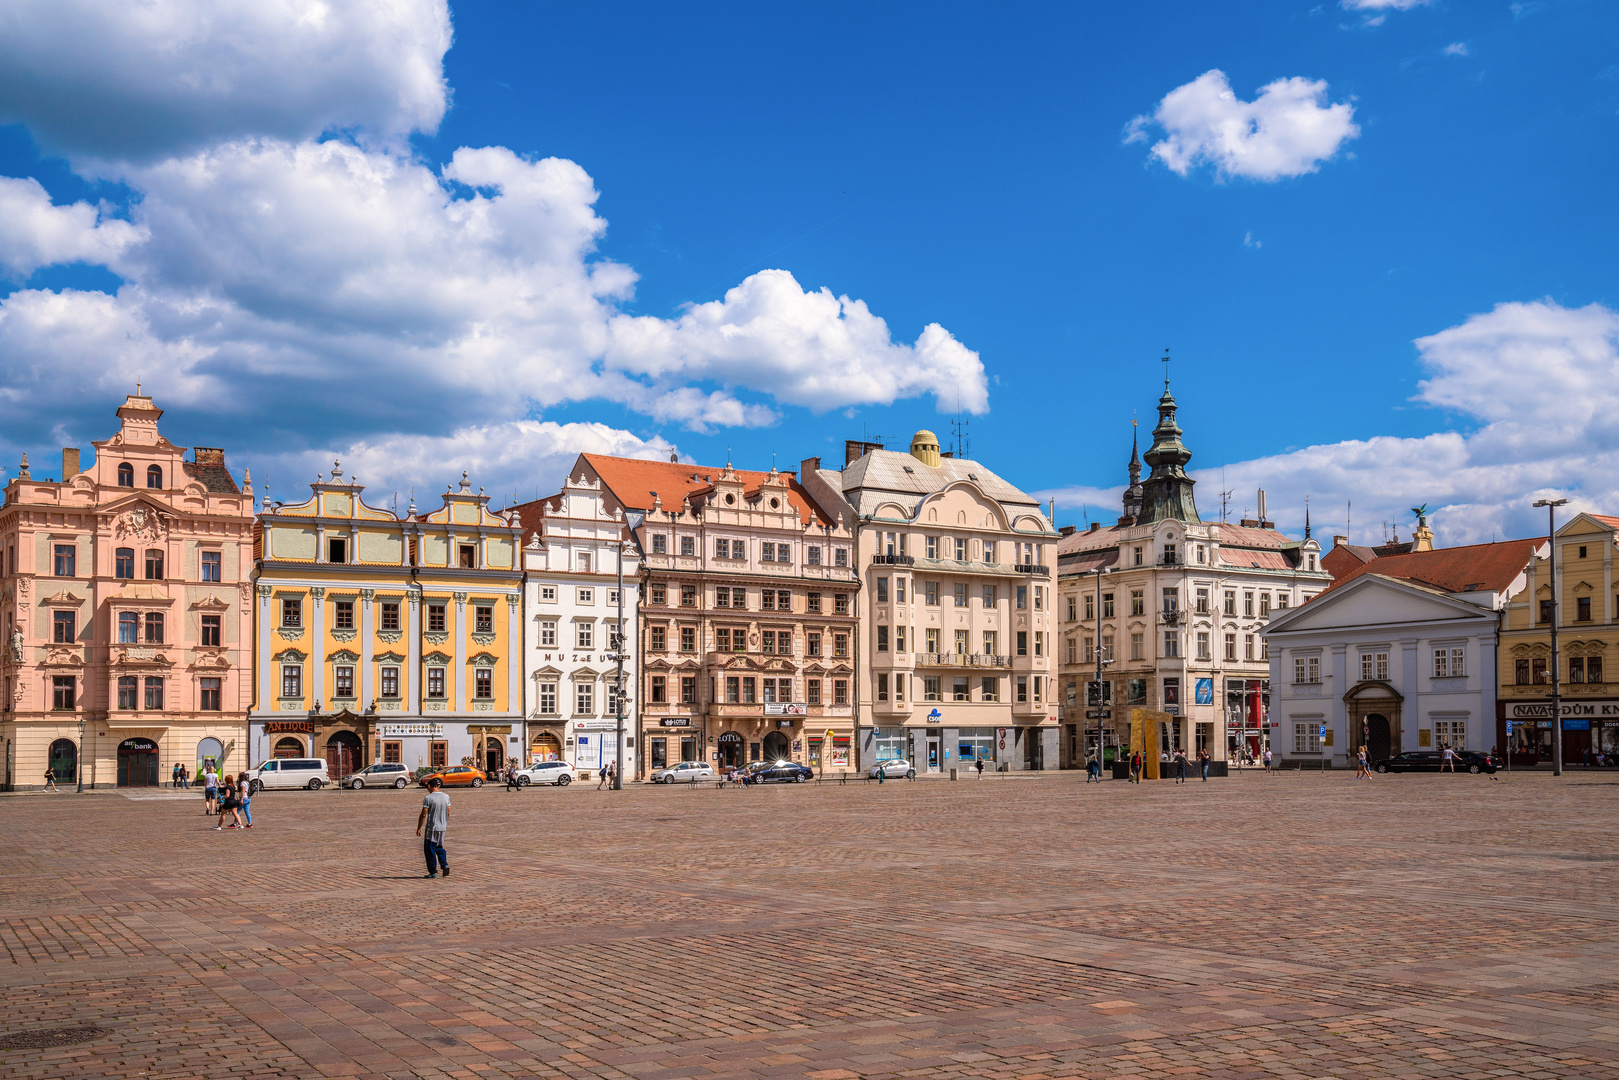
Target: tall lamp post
1101, 704
80, 765
1551, 506
618, 760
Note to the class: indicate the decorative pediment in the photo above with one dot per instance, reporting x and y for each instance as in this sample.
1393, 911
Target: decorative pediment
548, 672
1372, 690
210, 603
436, 657
142, 522
1583, 587
343, 656
389, 658
289, 656
585, 673
484, 659
65, 598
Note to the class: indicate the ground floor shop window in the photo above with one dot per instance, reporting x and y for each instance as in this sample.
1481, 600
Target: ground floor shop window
392, 752
64, 760
753, 751
438, 754
840, 752
688, 748
890, 743
284, 748
1307, 737
815, 754
975, 744
546, 747
660, 753
137, 763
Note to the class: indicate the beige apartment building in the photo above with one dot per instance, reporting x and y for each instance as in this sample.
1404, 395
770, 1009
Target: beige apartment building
956, 609
126, 602
746, 614
1177, 607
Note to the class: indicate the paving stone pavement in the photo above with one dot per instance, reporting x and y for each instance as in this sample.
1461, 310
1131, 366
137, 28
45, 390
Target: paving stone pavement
1298, 926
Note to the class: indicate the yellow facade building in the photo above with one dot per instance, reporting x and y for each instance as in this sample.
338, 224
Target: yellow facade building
386, 638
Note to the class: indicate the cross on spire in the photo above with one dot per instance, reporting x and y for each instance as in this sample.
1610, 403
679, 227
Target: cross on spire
1166, 368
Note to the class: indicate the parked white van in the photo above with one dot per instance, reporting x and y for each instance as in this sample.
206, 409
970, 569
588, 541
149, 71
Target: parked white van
289, 772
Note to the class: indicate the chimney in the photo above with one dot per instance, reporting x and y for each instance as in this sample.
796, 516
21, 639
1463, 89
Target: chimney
70, 463
208, 455
1067, 530
1340, 541
1261, 514
1096, 526
809, 466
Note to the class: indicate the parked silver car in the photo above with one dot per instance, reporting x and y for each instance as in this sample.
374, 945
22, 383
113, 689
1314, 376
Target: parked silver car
382, 774
893, 768
559, 773
686, 772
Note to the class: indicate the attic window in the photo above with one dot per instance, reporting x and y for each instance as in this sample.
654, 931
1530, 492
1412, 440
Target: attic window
729, 499
972, 476
908, 469
775, 503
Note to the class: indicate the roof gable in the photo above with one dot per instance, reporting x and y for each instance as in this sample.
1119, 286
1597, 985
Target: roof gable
1374, 600
1482, 568
638, 484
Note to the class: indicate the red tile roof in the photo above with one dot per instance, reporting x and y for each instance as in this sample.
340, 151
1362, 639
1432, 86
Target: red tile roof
635, 483
1474, 568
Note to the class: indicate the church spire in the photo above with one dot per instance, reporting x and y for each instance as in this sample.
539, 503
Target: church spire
1167, 491
1132, 494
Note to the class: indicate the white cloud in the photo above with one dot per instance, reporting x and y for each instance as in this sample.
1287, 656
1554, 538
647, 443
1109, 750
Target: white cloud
1384, 5
1539, 385
1249, 241
35, 233
138, 79
1455, 48
1288, 130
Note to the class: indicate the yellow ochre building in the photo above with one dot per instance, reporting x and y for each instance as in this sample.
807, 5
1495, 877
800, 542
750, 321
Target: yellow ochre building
381, 638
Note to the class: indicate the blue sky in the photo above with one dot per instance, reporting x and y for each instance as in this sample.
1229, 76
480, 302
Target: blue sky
1398, 289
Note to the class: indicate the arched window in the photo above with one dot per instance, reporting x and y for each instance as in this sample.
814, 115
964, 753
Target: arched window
64, 760
154, 564
123, 563
154, 477
126, 475
129, 628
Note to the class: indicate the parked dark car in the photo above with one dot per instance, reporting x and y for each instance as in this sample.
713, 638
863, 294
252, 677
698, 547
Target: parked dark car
786, 772
1434, 761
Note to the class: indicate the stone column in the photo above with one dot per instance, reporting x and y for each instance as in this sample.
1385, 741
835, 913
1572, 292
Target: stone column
413, 660
516, 653
266, 648
366, 695
458, 674
317, 645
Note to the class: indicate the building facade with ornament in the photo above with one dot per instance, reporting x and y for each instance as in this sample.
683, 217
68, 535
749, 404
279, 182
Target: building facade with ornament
126, 612
1165, 611
381, 638
747, 614
574, 628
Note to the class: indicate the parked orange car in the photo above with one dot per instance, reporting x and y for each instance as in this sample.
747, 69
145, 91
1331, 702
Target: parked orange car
456, 776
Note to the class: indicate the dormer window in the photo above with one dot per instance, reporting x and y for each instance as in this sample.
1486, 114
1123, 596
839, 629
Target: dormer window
469, 558
337, 549
583, 558
126, 475
154, 477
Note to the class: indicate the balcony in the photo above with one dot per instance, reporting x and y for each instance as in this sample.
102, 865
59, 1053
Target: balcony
893, 560
1031, 568
962, 660
1171, 617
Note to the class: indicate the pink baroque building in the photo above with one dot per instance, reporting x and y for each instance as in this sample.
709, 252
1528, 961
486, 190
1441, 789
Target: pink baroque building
125, 597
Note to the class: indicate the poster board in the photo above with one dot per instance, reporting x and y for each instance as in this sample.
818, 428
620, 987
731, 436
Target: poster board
1144, 737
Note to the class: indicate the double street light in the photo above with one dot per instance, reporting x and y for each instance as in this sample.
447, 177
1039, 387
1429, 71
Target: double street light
1551, 506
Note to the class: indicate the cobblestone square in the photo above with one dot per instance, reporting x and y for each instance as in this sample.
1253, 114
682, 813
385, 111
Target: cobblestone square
1298, 925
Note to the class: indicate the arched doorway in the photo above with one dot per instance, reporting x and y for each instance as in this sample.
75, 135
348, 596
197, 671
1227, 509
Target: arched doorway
777, 747
730, 750
493, 753
546, 747
209, 752
137, 763
343, 754
288, 747
64, 760
1379, 737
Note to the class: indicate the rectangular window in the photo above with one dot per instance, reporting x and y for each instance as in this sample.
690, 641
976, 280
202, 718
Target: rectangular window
812, 691
123, 564
812, 644
548, 594
688, 545
438, 754
1281, 601
882, 590
343, 681
840, 691
784, 599
1039, 598
812, 603
722, 549
1023, 643
343, 614
1307, 738
931, 547
1022, 690
1231, 646
435, 682
688, 596
1137, 645
154, 565
66, 561
1264, 605
1172, 599
1248, 604
840, 644
660, 595
390, 615
767, 600
813, 555
1090, 608
882, 686
1582, 609
1374, 666
584, 635
548, 699
750, 690
1172, 643
882, 639
128, 691
1247, 646
1138, 601
989, 552
931, 593
483, 683
392, 752
1231, 603
739, 640
658, 638
1593, 668
961, 549
292, 612
660, 689
767, 641
1203, 645
390, 682
62, 692
660, 543
930, 688
722, 639
585, 595
584, 698
992, 642
211, 569
1521, 672
129, 628
688, 639
548, 633
210, 630
1545, 611
208, 695
469, 558
483, 619
154, 691
1039, 643
1201, 603
436, 621
1021, 597
1537, 672
1576, 668
292, 681
688, 689
840, 603
64, 625
961, 643
154, 628
989, 688
899, 639
768, 552
961, 594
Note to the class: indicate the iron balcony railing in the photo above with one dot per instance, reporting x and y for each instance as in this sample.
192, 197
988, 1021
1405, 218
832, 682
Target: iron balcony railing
972, 660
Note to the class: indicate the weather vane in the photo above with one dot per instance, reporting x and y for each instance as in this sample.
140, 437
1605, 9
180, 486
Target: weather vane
1166, 368
1422, 514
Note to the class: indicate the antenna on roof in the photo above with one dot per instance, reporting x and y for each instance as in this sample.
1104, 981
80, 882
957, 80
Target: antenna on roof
1349, 505
1225, 498
958, 430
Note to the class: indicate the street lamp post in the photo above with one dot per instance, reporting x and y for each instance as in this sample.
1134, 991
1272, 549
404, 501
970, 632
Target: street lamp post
1551, 506
618, 760
79, 770
1101, 704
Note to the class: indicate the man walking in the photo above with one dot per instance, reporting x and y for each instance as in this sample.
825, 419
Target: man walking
1180, 766
511, 776
1203, 764
210, 788
1449, 764
435, 819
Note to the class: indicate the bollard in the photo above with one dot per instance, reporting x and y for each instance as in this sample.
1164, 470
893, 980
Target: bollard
952, 774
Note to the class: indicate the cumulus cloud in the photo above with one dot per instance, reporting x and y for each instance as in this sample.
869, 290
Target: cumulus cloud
1455, 48
1287, 131
36, 233
1537, 386
1384, 5
136, 80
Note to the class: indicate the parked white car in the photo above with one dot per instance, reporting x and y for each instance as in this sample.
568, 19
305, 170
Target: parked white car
892, 769
559, 773
686, 772
289, 772
382, 774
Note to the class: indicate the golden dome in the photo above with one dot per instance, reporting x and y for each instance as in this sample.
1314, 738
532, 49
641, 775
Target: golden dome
925, 447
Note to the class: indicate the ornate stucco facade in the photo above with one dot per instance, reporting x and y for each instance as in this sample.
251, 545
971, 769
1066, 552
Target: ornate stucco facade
380, 638
956, 606
125, 607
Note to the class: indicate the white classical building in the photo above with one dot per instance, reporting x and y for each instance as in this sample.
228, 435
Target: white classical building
572, 544
1399, 655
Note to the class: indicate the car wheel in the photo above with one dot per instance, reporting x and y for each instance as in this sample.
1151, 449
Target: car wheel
1474, 769
798, 778
564, 780
522, 781
356, 785
1382, 768
314, 785
400, 782
477, 781
254, 787
910, 774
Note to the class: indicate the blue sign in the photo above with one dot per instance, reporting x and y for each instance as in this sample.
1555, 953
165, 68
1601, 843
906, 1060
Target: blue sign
1509, 727
1323, 732
1576, 725
935, 716
1205, 692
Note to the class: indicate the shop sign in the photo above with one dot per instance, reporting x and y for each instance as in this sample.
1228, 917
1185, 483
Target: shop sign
675, 721
1576, 725
489, 729
289, 727
388, 730
138, 745
1542, 710
1204, 691
595, 725
785, 708
730, 737
935, 716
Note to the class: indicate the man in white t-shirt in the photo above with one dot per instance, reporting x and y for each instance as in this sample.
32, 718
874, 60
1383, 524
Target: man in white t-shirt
435, 818
1449, 759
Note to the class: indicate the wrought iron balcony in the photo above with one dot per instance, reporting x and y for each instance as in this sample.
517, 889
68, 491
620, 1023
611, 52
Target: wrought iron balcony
1171, 616
962, 660
893, 560
1032, 568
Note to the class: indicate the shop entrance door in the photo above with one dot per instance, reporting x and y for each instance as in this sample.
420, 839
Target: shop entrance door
776, 746
1379, 739
137, 763
730, 750
343, 753
1576, 744
933, 753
